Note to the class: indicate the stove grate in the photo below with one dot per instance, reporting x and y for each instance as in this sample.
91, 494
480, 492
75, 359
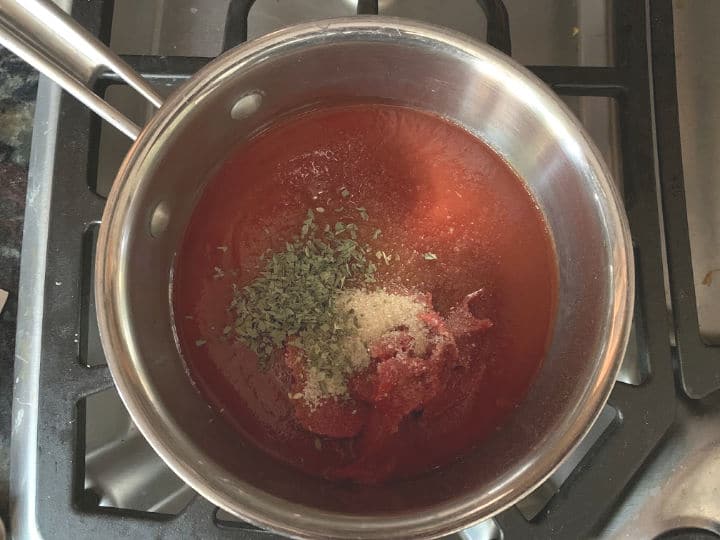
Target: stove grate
642, 413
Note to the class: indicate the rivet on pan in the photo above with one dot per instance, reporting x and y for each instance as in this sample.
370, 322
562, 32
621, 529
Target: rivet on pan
246, 105
160, 219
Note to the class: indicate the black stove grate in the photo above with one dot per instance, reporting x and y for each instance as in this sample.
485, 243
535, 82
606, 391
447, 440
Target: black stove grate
644, 411
698, 361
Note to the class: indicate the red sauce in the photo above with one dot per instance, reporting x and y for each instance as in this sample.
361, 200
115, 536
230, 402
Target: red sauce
429, 186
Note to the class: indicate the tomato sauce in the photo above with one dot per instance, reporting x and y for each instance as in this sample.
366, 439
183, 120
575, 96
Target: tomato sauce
430, 187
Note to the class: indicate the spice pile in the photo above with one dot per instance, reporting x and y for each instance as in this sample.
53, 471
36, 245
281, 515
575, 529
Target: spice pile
313, 298
294, 301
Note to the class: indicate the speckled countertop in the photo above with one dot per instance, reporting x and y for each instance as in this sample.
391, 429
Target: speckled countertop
18, 85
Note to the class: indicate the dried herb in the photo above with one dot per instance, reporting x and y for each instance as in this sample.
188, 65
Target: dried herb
293, 301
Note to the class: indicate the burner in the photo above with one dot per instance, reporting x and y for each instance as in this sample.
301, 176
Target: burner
81, 468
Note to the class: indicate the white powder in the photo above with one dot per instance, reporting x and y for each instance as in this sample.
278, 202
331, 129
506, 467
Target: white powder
380, 312
319, 385
377, 312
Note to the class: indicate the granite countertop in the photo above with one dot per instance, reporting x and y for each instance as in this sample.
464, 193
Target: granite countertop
18, 86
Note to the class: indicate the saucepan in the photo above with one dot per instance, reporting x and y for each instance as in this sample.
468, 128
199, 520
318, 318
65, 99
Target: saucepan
367, 58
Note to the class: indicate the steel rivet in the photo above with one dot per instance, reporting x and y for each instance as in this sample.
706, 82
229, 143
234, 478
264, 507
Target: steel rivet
246, 105
160, 219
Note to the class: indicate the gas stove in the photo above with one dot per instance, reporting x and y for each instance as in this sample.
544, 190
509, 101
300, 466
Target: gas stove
651, 464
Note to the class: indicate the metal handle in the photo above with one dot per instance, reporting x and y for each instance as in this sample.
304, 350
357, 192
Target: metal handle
49, 39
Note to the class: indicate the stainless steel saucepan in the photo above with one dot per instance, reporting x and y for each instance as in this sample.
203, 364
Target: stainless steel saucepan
367, 58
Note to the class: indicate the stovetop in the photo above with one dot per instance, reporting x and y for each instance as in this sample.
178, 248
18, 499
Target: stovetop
650, 465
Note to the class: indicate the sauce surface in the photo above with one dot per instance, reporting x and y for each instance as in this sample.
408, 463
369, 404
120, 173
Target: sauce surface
430, 187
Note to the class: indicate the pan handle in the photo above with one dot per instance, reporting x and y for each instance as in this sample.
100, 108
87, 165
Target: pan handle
52, 42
